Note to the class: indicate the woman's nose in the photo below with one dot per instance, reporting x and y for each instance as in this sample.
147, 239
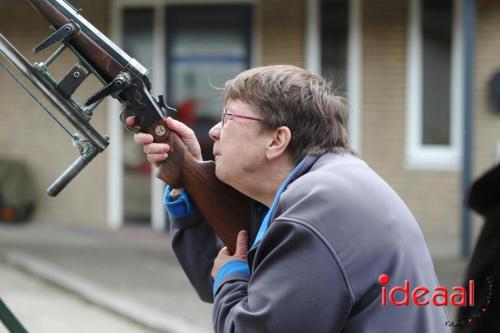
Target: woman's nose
214, 132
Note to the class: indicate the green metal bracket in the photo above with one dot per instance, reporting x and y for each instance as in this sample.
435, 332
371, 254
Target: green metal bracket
9, 320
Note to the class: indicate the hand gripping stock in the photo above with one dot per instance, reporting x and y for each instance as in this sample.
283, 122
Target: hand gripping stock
226, 210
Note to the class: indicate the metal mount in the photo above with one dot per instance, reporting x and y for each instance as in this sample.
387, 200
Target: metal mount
120, 82
62, 34
59, 95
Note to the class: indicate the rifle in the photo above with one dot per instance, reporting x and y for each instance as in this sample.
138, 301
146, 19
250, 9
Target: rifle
226, 210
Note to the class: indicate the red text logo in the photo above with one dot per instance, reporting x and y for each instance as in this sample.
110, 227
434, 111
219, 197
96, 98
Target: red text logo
421, 296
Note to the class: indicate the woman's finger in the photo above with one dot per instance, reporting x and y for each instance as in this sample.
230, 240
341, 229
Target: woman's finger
155, 158
143, 138
156, 148
183, 131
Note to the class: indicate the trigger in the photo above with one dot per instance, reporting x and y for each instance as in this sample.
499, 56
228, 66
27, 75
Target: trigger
166, 110
136, 127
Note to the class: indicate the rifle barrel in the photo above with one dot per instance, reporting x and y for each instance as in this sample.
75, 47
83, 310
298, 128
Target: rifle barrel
107, 58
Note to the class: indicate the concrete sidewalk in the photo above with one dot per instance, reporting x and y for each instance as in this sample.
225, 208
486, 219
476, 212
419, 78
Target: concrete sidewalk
40, 307
132, 272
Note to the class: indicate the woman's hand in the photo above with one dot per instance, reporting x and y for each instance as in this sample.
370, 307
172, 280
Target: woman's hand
158, 152
224, 256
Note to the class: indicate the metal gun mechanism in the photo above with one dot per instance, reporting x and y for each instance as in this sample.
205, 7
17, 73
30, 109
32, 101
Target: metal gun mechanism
60, 95
122, 77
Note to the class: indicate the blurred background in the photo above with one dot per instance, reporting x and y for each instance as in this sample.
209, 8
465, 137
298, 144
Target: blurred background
421, 77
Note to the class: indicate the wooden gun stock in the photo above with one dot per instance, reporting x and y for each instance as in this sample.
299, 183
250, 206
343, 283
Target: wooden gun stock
226, 210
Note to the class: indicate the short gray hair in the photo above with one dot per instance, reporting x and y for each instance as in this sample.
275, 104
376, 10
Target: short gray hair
304, 102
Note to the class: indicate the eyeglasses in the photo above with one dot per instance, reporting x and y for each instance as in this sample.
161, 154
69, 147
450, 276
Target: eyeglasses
226, 114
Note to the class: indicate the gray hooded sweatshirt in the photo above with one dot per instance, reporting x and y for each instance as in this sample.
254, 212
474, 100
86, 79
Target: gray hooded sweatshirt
334, 228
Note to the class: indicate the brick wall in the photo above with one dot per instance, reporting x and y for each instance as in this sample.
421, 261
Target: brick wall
282, 32
28, 134
431, 195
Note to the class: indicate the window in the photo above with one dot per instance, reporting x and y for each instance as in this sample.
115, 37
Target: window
206, 46
334, 34
434, 85
333, 48
436, 52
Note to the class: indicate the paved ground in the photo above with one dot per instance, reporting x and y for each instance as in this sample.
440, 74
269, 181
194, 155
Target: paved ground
132, 272
43, 307
118, 281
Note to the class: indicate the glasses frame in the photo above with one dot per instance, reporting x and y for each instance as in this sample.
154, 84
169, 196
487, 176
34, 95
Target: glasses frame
225, 114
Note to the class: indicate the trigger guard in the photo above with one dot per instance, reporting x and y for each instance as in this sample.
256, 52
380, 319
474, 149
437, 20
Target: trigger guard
124, 115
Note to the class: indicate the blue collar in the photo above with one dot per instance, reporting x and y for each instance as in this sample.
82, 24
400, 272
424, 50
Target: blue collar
267, 218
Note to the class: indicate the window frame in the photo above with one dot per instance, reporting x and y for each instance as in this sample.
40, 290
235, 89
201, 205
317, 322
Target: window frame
426, 156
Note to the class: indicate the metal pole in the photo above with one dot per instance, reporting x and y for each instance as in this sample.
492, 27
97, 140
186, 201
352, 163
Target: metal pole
469, 16
9, 320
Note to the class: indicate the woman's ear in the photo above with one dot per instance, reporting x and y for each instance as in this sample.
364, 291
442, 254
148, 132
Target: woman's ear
278, 142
